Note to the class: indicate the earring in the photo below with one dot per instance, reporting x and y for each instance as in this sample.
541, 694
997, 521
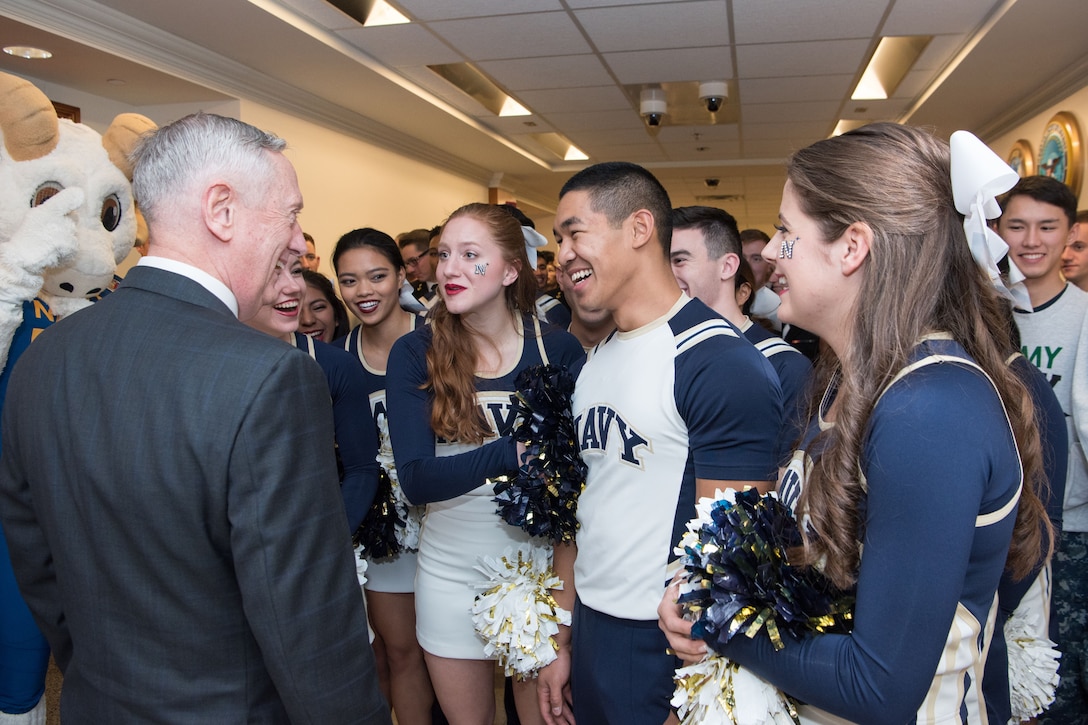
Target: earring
786, 251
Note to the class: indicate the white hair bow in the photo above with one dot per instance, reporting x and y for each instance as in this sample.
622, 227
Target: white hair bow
533, 240
978, 176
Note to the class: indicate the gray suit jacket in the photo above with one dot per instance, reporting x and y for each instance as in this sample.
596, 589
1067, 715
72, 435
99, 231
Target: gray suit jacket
169, 493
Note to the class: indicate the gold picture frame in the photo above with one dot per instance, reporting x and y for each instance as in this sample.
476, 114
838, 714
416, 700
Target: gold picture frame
1022, 158
1060, 154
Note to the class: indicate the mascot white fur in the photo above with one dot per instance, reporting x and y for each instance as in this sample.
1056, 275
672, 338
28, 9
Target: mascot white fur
67, 218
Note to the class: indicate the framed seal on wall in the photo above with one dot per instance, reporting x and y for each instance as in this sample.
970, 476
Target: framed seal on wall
1060, 153
1022, 159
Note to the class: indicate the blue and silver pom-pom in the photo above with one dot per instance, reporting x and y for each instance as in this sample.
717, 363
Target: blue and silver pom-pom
542, 497
515, 613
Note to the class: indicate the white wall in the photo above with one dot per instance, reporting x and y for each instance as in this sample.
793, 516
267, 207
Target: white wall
347, 183
1032, 132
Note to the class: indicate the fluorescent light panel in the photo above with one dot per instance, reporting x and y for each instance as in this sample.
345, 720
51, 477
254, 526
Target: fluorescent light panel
371, 13
481, 88
892, 60
560, 146
845, 125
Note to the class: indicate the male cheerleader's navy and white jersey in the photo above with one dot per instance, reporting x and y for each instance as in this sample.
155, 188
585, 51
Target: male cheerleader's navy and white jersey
356, 439
681, 398
794, 372
461, 523
943, 479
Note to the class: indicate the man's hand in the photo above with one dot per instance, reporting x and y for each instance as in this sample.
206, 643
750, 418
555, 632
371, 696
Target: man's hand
677, 629
553, 690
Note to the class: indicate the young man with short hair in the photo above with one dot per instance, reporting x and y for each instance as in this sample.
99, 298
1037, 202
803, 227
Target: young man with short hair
705, 256
1075, 255
1038, 220
670, 407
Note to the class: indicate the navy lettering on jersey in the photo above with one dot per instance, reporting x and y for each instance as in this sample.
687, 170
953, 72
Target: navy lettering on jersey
502, 416
378, 408
595, 426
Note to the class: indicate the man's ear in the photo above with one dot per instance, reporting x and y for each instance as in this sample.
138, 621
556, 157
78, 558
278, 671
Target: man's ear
859, 240
217, 210
643, 228
730, 265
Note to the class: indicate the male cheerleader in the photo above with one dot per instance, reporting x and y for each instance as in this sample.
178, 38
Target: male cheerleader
671, 406
705, 255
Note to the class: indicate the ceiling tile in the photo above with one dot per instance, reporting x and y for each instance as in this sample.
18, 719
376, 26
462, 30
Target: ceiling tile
790, 130
617, 118
705, 134
596, 98
785, 112
930, 17
662, 66
939, 52
636, 153
777, 21
647, 27
570, 71
401, 45
427, 10
608, 138
513, 36
716, 151
806, 88
771, 60
770, 149
608, 3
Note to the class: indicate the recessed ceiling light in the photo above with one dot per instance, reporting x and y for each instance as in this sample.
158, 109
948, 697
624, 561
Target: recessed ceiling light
892, 60
575, 154
116, 81
469, 79
382, 13
28, 52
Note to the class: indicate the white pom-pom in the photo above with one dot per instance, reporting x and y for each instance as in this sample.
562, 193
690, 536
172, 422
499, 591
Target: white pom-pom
361, 564
717, 691
1033, 668
515, 613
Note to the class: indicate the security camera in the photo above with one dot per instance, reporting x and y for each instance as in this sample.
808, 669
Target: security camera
712, 183
713, 94
652, 107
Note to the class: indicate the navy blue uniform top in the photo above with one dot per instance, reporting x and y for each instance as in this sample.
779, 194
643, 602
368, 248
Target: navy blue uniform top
423, 476
943, 477
794, 372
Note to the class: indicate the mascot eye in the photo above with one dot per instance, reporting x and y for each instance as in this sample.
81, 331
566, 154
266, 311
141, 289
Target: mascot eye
45, 192
111, 212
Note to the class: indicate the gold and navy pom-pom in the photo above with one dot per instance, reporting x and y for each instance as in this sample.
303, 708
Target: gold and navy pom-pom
542, 496
740, 579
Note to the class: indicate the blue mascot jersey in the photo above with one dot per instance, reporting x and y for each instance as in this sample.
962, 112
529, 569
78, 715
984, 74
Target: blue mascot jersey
36, 317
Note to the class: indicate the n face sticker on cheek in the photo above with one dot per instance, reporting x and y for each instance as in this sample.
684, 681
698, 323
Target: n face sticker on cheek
481, 269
